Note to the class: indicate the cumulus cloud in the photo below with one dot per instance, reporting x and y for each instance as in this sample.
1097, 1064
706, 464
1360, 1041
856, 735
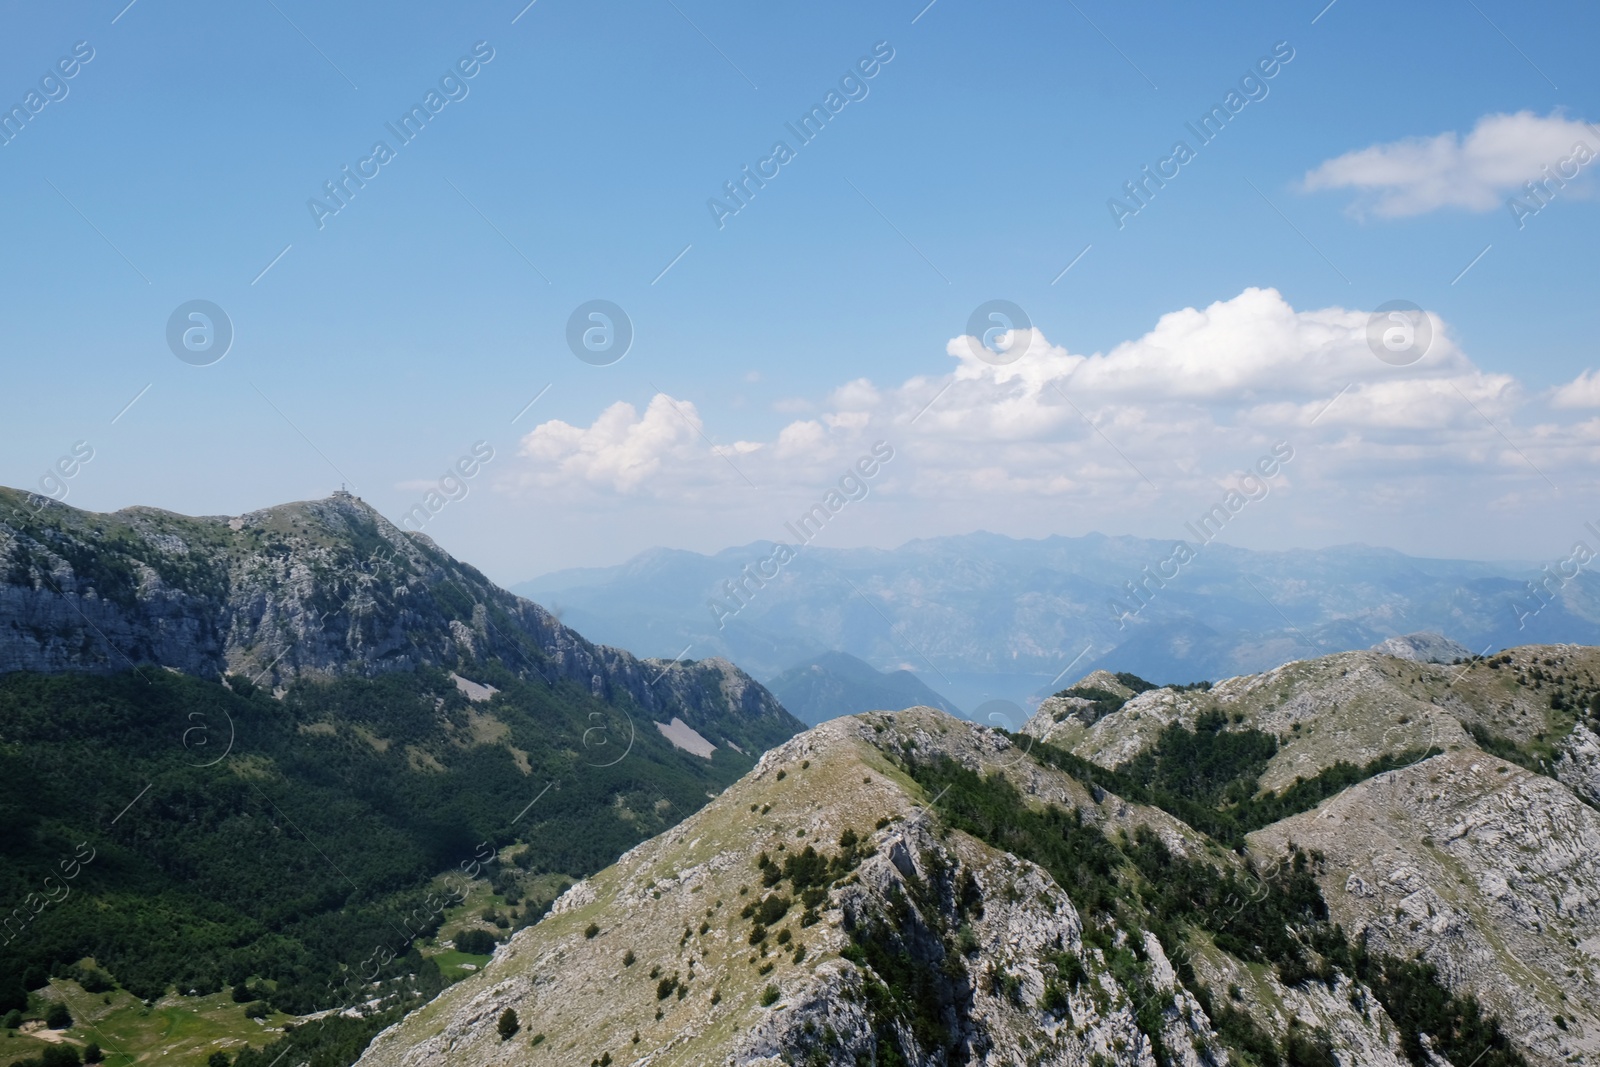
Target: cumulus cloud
1582, 392
800, 438
1176, 410
1477, 172
621, 450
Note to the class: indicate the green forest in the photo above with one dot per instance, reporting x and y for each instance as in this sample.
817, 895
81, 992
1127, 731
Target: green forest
193, 835
1207, 776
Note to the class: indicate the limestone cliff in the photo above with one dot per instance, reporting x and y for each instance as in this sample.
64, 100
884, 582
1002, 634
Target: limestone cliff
324, 587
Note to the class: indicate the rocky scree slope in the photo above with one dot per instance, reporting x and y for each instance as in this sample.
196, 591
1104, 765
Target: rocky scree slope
1481, 858
318, 588
829, 909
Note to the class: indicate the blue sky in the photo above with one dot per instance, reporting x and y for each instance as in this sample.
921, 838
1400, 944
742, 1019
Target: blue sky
426, 313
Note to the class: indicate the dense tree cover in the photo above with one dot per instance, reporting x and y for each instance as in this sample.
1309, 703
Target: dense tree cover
53, 1056
1208, 776
1275, 916
1411, 992
919, 983
303, 854
475, 942
332, 1041
1209, 765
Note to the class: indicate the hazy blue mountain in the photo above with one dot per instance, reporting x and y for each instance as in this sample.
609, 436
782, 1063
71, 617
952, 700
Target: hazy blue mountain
837, 683
983, 616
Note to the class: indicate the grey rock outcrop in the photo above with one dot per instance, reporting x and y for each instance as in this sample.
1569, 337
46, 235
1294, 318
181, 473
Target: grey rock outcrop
320, 588
976, 938
1423, 648
1486, 871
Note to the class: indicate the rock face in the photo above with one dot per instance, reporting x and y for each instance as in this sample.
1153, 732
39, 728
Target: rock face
323, 587
1105, 682
697, 992
1082, 705
654, 961
701, 947
1489, 872
1423, 648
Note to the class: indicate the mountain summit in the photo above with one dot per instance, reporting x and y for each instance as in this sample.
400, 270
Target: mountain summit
288, 741
321, 588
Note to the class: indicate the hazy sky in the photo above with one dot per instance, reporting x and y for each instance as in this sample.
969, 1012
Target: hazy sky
574, 152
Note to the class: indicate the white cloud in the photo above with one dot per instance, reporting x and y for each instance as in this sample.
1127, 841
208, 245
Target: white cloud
800, 438
1099, 438
1252, 345
622, 450
1582, 392
1478, 172
855, 395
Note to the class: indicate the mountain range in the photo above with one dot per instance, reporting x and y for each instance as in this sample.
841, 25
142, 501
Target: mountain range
297, 786
324, 588
1359, 859
983, 616
271, 752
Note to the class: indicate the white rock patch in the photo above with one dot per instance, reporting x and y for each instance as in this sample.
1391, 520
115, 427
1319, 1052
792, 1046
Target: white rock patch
472, 690
684, 736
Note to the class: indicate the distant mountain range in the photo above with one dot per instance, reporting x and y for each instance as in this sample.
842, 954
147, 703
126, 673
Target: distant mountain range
983, 616
837, 683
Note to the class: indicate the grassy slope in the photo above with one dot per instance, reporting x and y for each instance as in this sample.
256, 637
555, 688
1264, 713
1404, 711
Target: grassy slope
578, 992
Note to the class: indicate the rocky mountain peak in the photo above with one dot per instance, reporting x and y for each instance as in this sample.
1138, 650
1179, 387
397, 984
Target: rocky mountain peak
1423, 648
313, 588
1104, 681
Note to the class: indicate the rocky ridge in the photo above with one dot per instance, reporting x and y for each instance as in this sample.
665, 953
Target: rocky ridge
1479, 862
609, 978
318, 588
